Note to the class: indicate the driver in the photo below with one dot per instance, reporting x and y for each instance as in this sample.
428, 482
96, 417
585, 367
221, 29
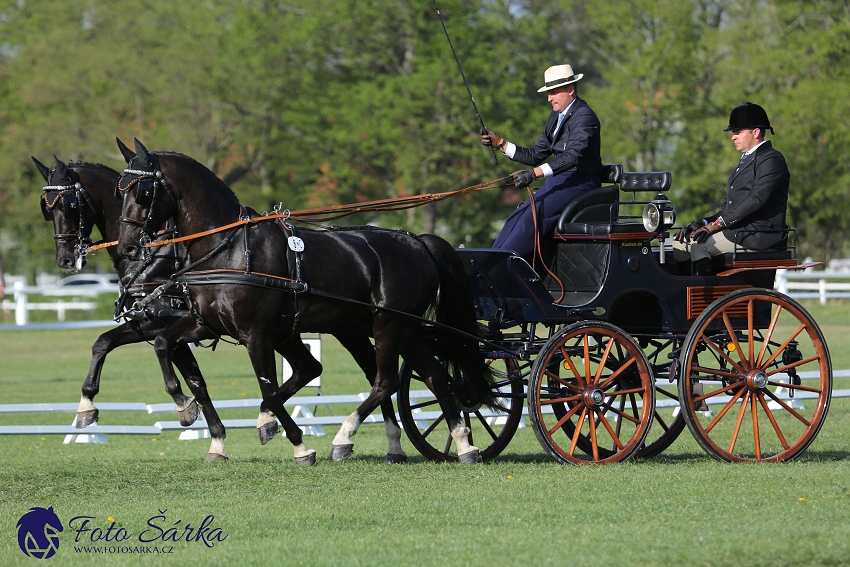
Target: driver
756, 198
572, 136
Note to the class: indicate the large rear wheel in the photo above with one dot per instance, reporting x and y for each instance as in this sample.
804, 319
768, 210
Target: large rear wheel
743, 367
591, 395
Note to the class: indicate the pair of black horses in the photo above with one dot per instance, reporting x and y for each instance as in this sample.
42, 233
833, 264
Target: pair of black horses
263, 283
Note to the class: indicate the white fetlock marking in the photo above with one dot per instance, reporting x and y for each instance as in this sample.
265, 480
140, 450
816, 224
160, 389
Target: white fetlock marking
461, 436
393, 439
85, 405
347, 430
301, 450
217, 447
264, 418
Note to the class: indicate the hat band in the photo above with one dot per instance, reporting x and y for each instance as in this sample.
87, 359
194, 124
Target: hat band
558, 81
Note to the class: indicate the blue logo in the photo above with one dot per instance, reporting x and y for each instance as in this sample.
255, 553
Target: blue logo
38, 533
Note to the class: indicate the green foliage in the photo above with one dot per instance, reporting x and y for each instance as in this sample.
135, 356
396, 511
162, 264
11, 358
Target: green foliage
319, 102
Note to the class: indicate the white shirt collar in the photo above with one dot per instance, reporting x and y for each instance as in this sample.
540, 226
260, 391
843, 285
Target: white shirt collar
751, 150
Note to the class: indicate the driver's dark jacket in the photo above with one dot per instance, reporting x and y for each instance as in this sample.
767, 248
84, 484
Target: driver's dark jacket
756, 199
577, 147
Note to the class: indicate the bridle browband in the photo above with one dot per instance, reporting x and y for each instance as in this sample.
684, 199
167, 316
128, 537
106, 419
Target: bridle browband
72, 196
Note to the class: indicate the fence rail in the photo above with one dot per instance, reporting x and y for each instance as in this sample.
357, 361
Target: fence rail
819, 285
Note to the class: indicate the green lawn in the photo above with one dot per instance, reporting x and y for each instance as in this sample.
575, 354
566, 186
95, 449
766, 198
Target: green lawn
521, 509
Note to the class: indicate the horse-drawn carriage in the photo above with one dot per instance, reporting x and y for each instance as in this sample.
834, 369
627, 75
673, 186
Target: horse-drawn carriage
628, 350
614, 350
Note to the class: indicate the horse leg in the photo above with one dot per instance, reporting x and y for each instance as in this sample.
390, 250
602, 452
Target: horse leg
389, 334
305, 367
262, 359
188, 367
417, 354
124, 334
363, 352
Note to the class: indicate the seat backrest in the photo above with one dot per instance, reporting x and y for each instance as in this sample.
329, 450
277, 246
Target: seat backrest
594, 205
633, 181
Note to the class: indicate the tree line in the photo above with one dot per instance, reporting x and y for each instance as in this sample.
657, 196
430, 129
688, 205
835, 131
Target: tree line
319, 102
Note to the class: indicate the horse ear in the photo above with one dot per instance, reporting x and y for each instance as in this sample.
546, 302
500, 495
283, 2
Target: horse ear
43, 169
125, 151
61, 168
141, 150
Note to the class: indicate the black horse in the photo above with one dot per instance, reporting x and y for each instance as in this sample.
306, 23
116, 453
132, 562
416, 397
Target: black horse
262, 284
78, 197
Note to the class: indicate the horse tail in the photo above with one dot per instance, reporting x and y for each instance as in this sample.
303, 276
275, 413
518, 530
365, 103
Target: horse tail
455, 307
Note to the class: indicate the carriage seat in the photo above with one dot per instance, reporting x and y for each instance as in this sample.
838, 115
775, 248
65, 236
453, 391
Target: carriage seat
594, 205
602, 225
782, 254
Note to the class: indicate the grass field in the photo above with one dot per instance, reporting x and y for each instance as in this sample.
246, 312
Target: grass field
520, 509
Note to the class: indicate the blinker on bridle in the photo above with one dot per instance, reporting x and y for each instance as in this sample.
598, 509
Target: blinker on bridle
149, 185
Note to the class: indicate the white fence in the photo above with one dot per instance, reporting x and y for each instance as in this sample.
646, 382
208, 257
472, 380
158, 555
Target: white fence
22, 306
821, 285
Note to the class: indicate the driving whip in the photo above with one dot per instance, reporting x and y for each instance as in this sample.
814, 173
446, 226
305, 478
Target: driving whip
480, 121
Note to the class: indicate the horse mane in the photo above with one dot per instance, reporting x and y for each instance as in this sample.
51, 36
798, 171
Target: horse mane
90, 165
204, 170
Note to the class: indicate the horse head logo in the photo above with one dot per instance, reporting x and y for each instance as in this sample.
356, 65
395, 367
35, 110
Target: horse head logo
38, 533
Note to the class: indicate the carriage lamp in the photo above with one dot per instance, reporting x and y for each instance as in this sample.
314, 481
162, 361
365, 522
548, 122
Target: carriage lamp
658, 216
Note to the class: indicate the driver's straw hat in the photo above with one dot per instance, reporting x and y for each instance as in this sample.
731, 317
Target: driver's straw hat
558, 76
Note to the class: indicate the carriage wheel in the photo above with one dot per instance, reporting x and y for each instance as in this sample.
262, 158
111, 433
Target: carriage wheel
740, 361
667, 421
591, 395
428, 431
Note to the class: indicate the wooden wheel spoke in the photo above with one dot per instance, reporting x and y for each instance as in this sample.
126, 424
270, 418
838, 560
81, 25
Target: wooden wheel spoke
796, 387
769, 334
670, 395
559, 400
660, 421
737, 430
594, 442
750, 319
573, 368
485, 425
755, 427
576, 432
624, 392
624, 415
448, 446
706, 372
616, 374
731, 331
566, 418
772, 419
563, 382
586, 343
719, 351
794, 365
787, 408
614, 436
424, 404
723, 411
603, 360
433, 425
793, 336
736, 386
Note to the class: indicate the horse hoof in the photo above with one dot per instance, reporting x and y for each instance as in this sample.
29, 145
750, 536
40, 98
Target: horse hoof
395, 459
189, 414
306, 460
86, 418
341, 452
215, 458
470, 458
267, 431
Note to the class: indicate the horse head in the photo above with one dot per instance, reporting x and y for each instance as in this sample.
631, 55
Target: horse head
66, 203
148, 200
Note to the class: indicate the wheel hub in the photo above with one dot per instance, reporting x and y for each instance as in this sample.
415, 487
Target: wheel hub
593, 397
757, 380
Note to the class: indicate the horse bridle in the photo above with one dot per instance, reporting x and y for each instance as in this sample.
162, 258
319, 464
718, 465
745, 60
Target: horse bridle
71, 197
150, 183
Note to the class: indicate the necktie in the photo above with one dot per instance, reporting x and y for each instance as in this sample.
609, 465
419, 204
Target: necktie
558, 126
740, 163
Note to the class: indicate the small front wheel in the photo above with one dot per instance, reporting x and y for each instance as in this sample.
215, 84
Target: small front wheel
591, 394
